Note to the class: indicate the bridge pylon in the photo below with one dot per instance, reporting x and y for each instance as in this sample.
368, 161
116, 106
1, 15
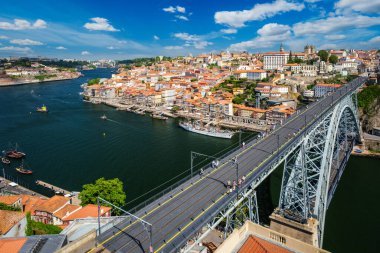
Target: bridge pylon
313, 169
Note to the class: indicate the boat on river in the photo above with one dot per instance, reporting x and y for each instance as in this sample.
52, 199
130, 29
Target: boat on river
209, 130
5, 160
22, 170
104, 117
43, 108
14, 153
159, 116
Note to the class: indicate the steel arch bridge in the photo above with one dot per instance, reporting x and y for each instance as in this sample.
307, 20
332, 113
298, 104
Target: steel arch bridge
313, 169
314, 144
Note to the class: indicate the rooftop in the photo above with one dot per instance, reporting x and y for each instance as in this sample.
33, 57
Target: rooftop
8, 219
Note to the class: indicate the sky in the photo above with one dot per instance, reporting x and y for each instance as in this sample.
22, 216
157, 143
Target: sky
125, 29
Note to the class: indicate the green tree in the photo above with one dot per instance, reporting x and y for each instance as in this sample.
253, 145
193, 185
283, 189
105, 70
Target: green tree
110, 190
333, 59
93, 81
28, 229
323, 54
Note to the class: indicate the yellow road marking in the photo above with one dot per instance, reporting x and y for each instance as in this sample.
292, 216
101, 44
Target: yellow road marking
188, 224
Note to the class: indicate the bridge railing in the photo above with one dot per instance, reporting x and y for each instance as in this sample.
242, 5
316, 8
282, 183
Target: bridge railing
222, 159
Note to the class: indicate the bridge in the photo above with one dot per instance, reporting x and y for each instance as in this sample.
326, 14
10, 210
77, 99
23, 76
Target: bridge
314, 145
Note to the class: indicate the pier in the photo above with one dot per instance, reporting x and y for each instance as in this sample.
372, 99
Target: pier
59, 190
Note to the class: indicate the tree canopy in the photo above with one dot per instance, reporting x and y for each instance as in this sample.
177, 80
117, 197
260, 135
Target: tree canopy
367, 96
323, 54
333, 59
110, 190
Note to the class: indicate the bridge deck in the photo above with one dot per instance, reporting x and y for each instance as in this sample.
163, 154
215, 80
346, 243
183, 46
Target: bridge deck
181, 213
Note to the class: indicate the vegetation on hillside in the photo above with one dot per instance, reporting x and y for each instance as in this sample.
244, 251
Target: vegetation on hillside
43, 77
93, 81
368, 96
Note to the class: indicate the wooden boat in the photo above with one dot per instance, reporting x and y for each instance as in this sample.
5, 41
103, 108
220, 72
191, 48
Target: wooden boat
5, 160
43, 108
14, 153
22, 170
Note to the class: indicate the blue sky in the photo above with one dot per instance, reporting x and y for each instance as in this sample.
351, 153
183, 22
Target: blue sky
117, 29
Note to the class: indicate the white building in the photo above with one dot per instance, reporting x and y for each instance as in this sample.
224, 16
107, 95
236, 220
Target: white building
275, 60
256, 74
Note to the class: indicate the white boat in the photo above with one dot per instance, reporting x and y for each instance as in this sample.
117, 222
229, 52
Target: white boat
211, 131
104, 117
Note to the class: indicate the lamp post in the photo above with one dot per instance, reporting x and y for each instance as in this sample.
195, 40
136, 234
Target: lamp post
194, 155
235, 162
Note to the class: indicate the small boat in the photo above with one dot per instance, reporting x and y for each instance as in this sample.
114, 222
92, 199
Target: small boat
43, 108
22, 170
5, 160
103, 117
159, 116
358, 151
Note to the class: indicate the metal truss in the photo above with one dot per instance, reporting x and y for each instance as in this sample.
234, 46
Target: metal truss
313, 169
233, 215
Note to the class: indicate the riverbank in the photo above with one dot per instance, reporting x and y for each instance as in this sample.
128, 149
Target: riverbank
12, 82
8, 187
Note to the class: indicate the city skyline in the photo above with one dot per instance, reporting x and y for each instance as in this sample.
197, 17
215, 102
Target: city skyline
122, 30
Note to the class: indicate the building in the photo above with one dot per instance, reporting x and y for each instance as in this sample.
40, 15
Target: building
254, 238
324, 88
45, 212
275, 60
12, 200
308, 93
12, 223
88, 211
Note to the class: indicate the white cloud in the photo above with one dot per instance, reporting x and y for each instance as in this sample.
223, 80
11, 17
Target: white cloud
61, 48
273, 29
26, 42
229, 31
85, 53
2, 37
258, 12
202, 44
13, 49
100, 24
173, 47
186, 36
375, 41
155, 37
334, 24
22, 24
364, 6
112, 48
172, 9
312, 1
181, 9
335, 37
181, 17
268, 36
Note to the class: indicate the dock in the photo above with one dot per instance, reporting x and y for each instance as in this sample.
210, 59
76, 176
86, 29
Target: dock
59, 190
9, 187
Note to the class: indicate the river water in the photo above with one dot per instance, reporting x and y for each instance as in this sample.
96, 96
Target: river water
71, 146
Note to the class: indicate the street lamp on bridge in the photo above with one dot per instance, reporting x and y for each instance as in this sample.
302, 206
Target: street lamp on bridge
194, 155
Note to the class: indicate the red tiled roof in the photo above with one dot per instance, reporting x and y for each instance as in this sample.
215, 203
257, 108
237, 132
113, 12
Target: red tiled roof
52, 204
12, 245
8, 219
254, 244
9, 200
87, 211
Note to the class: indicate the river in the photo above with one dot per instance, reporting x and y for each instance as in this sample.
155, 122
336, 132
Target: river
71, 146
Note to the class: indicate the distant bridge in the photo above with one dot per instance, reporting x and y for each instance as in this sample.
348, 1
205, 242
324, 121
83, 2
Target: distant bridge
314, 144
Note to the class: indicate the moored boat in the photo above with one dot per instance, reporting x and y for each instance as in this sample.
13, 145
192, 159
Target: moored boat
43, 108
5, 160
209, 131
22, 170
14, 153
159, 116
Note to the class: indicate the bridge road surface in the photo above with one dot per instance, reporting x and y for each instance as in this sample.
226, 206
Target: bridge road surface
180, 214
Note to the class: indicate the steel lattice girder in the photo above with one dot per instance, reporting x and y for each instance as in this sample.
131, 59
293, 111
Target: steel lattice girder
309, 168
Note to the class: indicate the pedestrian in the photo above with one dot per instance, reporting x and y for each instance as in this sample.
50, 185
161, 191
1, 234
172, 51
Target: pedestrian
217, 163
243, 178
201, 172
239, 182
233, 185
243, 144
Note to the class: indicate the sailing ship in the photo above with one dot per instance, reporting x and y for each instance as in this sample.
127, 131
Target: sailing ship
22, 170
14, 153
43, 108
209, 130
